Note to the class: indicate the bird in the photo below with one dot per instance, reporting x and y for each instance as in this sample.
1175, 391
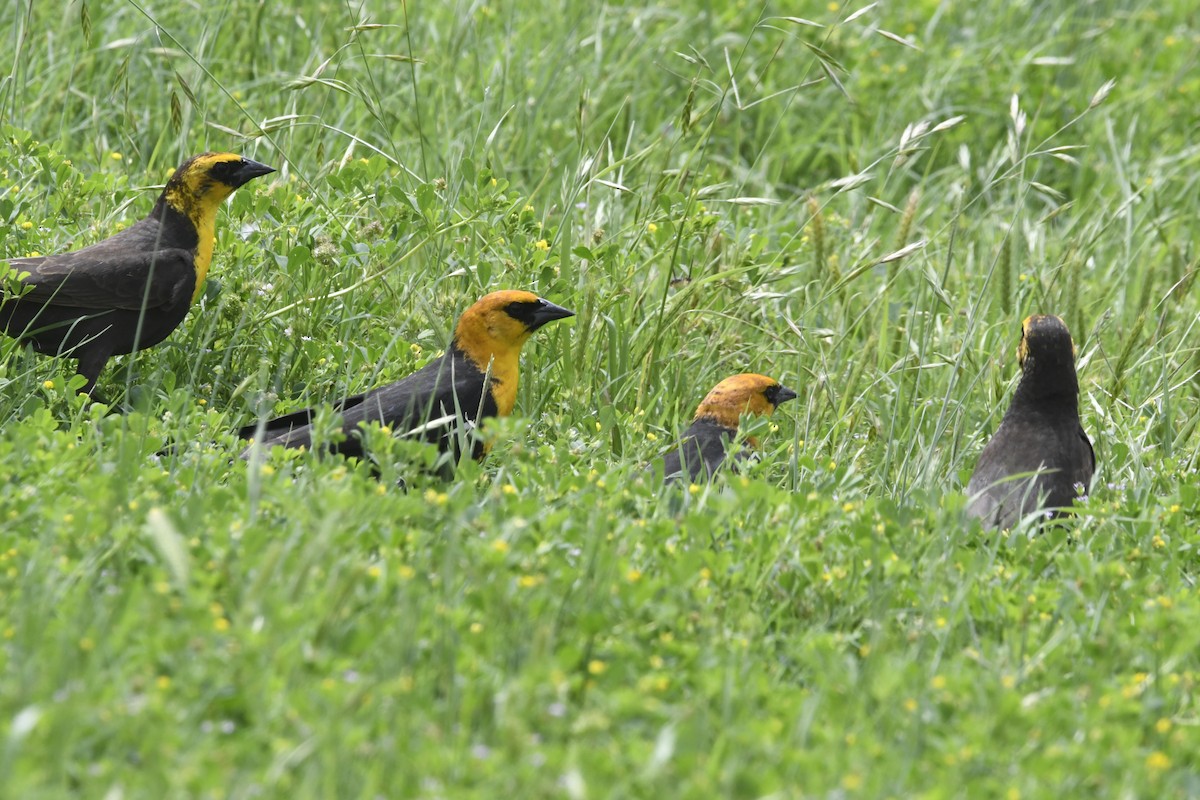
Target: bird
1040, 457
129, 291
475, 378
704, 445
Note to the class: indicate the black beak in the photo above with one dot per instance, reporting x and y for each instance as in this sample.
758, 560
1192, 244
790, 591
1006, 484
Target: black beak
782, 395
547, 312
249, 170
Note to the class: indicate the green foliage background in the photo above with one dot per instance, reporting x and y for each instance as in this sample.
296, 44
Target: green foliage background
861, 201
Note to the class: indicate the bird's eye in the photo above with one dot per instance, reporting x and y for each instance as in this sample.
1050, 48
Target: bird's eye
224, 171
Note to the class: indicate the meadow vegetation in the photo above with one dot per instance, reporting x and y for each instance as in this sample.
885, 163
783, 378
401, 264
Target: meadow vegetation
862, 201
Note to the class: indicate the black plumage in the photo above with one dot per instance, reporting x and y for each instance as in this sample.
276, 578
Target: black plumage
427, 405
1040, 457
476, 378
702, 450
127, 292
706, 443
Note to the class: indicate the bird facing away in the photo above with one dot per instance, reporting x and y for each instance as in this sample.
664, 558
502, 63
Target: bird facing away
704, 444
1040, 453
476, 378
129, 291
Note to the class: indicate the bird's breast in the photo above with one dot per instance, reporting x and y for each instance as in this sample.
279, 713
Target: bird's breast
504, 392
206, 232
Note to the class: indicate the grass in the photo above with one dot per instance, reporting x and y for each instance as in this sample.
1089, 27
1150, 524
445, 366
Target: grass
863, 204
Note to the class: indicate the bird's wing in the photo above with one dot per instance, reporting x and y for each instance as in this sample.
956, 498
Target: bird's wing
1090, 469
424, 404
296, 419
672, 462
446, 387
118, 273
702, 449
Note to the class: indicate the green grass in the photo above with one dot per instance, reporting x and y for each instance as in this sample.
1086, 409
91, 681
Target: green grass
714, 188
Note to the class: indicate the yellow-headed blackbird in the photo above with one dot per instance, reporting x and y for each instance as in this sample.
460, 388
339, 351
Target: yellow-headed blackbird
128, 292
476, 378
704, 444
1040, 453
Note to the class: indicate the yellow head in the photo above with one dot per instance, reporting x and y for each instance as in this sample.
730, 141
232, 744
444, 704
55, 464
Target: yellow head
743, 394
196, 190
200, 184
492, 331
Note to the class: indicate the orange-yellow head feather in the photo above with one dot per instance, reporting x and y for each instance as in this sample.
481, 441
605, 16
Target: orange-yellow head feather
492, 332
747, 393
196, 190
